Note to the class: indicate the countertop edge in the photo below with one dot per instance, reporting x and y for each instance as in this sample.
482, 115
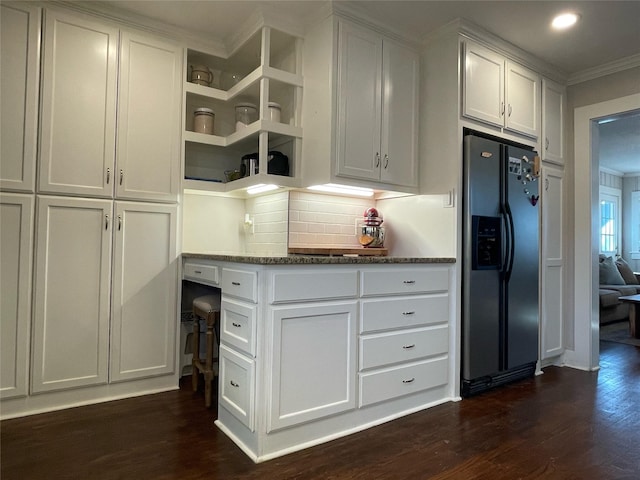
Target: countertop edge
316, 259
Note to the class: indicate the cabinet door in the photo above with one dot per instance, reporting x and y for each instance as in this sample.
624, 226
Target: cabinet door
16, 245
359, 108
552, 262
400, 120
553, 111
72, 284
145, 318
314, 362
19, 64
77, 142
149, 119
483, 86
523, 100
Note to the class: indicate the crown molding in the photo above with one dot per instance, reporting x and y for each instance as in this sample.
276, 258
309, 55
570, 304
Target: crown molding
609, 68
611, 171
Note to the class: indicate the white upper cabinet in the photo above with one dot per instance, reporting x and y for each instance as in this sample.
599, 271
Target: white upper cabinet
80, 91
500, 92
149, 100
77, 138
19, 64
554, 107
377, 111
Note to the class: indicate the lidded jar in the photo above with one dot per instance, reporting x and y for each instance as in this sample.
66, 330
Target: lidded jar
274, 112
203, 120
246, 113
201, 75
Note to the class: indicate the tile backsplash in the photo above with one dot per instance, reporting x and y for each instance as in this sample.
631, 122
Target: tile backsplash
269, 214
317, 219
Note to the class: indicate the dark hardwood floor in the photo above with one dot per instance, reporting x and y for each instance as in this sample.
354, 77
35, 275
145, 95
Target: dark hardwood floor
565, 424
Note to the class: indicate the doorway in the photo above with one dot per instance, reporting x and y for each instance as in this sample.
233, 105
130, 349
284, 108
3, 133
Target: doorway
586, 206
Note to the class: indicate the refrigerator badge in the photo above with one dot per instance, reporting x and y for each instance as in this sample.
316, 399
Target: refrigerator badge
486, 154
534, 199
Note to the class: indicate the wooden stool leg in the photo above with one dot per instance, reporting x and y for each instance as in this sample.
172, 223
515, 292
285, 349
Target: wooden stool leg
196, 354
208, 372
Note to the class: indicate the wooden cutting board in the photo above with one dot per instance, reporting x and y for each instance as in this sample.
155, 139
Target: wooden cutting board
337, 251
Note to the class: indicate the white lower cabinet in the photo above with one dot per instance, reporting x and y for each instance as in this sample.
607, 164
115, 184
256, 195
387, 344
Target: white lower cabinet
76, 318
16, 245
312, 352
314, 362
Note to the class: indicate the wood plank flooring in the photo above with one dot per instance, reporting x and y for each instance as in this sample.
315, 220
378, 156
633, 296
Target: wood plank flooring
565, 424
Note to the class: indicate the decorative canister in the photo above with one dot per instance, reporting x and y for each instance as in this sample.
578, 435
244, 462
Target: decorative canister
246, 113
274, 112
203, 120
201, 75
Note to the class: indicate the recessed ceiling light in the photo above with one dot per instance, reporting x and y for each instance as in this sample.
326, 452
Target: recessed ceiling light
564, 20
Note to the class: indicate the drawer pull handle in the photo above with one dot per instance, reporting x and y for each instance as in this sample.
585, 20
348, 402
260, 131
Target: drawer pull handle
407, 347
199, 272
237, 325
408, 313
408, 381
237, 284
233, 384
409, 282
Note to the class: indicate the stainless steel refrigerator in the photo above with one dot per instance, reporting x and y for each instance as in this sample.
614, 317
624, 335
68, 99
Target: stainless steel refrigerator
500, 314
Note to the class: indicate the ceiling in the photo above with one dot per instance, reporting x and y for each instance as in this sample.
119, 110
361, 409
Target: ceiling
608, 31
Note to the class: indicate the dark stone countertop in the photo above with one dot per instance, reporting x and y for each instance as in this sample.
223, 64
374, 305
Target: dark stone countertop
317, 259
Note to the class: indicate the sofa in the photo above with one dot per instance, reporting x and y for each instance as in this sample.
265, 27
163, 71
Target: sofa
616, 280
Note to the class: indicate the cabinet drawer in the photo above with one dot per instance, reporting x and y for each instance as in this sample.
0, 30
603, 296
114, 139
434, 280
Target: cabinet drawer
402, 380
238, 325
391, 313
201, 273
304, 286
404, 281
240, 283
236, 388
407, 345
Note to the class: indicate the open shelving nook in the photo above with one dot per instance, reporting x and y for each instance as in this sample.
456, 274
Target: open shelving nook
266, 68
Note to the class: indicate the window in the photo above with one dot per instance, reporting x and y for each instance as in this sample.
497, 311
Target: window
635, 225
609, 220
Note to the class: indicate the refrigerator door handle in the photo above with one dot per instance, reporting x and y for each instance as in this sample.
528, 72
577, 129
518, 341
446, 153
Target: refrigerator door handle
511, 247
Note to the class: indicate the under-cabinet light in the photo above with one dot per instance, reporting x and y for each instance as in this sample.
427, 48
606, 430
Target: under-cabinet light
261, 188
342, 190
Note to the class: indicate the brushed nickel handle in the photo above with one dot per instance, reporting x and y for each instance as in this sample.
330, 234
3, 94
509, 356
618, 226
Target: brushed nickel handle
377, 159
237, 284
108, 175
408, 313
502, 109
408, 347
386, 161
237, 325
409, 282
408, 381
119, 222
106, 222
199, 272
510, 110
121, 176
233, 384
546, 143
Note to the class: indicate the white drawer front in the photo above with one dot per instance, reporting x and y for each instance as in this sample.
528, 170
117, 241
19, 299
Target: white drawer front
407, 345
236, 388
390, 383
391, 313
240, 283
305, 286
238, 325
404, 281
201, 273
